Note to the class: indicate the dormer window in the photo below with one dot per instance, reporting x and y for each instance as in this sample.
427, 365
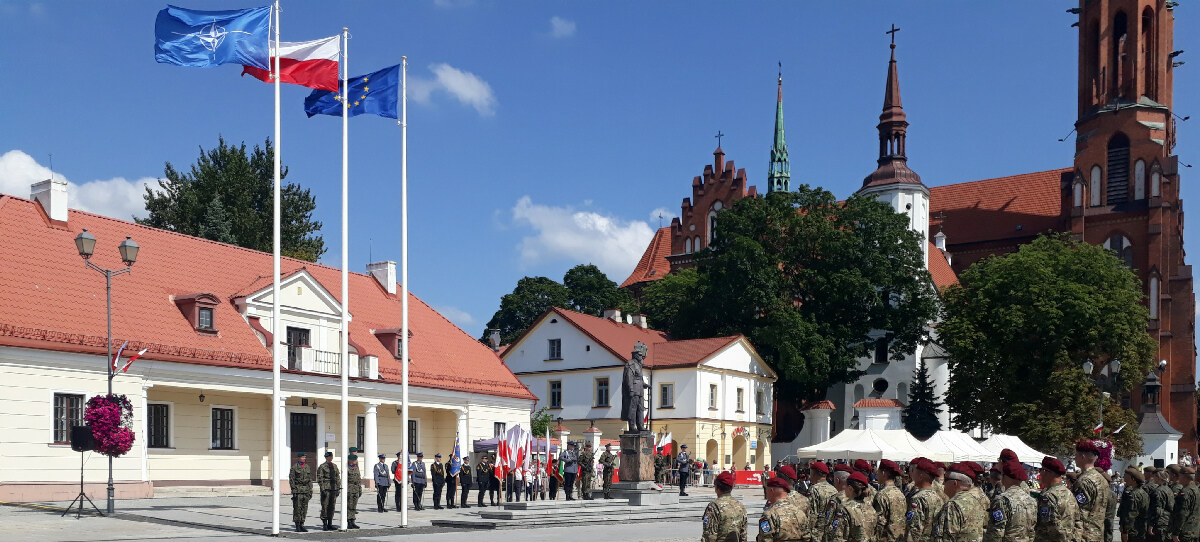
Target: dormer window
205, 320
200, 310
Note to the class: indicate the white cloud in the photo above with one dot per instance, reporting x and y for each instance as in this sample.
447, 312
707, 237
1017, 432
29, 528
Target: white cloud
461, 318
561, 28
561, 233
466, 87
117, 197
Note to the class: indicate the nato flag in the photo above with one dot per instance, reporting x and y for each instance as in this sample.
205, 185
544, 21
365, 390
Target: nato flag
373, 94
203, 39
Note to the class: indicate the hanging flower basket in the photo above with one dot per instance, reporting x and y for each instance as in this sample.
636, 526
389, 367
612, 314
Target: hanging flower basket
111, 420
1104, 462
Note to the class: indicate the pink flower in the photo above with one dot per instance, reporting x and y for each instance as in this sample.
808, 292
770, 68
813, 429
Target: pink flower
111, 418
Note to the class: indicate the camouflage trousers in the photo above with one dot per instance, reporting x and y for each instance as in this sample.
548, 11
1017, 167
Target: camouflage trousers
352, 504
585, 485
608, 474
300, 507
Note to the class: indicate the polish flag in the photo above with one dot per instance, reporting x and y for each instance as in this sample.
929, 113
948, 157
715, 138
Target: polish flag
1099, 427
666, 444
313, 64
133, 359
117, 357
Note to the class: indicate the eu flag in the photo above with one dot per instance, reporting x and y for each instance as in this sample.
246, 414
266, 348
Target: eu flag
203, 39
373, 94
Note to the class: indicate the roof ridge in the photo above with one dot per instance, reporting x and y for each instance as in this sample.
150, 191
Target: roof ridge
1003, 177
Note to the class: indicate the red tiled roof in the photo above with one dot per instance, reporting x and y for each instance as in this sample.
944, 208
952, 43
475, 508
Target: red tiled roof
620, 339
50, 300
939, 269
994, 209
878, 403
686, 353
654, 264
821, 405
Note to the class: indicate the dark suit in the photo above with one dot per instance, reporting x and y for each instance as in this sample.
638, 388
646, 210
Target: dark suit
464, 483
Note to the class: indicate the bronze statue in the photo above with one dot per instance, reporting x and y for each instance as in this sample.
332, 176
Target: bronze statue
633, 391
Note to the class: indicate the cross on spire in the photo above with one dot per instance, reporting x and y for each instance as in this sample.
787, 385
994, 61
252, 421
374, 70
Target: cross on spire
719, 136
893, 34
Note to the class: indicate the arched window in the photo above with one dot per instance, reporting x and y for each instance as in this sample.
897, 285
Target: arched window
712, 221
696, 244
1139, 180
1117, 188
858, 392
1122, 247
1078, 191
902, 392
1148, 46
687, 245
1119, 58
1094, 187
1155, 180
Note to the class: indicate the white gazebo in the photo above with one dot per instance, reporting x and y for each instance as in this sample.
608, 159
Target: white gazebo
961, 445
1024, 452
873, 445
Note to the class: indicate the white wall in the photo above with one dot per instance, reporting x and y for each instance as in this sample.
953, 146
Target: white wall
578, 350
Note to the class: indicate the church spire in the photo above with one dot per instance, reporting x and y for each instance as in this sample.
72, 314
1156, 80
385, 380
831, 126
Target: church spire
893, 132
779, 173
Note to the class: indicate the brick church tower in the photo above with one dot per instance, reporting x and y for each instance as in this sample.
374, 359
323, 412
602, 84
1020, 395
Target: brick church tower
1125, 189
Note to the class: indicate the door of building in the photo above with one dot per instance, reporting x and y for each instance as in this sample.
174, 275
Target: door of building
304, 439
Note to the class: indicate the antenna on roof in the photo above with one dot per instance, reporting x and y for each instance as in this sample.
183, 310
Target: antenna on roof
370, 250
1064, 138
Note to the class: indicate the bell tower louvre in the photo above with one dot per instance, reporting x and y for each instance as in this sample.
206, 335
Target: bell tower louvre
1125, 189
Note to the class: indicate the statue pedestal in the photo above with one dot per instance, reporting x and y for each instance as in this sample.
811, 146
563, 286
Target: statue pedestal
636, 477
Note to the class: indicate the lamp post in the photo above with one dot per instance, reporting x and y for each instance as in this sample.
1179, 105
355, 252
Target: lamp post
1112, 370
85, 243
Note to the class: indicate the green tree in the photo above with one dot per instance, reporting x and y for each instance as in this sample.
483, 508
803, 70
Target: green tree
1018, 329
540, 422
808, 279
216, 225
921, 414
591, 292
518, 310
669, 303
243, 184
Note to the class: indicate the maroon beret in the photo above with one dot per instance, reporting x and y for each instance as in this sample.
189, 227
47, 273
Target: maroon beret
964, 469
975, 467
1087, 446
842, 467
860, 478
1053, 465
1007, 454
1013, 469
861, 465
787, 471
889, 465
996, 468
925, 465
725, 478
779, 483
819, 466
916, 460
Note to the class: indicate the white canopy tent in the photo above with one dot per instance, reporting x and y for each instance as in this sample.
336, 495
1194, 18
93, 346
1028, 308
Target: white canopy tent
962, 446
873, 445
1024, 453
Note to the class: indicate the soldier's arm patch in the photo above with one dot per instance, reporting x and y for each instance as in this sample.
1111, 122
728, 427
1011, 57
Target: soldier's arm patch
997, 515
1081, 498
909, 515
764, 526
1045, 511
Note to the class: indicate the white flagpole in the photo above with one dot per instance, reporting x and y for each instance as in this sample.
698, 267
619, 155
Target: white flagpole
344, 353
276, 352
404, 277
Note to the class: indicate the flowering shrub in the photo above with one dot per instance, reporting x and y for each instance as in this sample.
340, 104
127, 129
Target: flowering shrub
1106, 453
111, 420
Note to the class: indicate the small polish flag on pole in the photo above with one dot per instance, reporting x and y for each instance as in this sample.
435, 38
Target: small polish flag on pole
117, 357
1099, 427
133, 359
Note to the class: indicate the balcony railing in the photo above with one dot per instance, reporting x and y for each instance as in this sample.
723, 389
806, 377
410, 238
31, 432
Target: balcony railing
311, 360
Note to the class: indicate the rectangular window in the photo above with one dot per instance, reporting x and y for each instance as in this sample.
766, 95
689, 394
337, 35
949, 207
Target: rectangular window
666, 396
741, 393
68, 413
362, 433
413, 442
499, 428
158, 426
297, 339
758, 403
222, 428
881, 350
712, 396
555, 394
602, 392
555, 349
206, 318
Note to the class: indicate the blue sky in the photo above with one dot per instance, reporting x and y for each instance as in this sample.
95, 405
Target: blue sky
547, 134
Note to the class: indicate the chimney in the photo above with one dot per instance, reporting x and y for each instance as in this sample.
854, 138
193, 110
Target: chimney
385, 273
494, 338
52, 195
639, 320
613, 314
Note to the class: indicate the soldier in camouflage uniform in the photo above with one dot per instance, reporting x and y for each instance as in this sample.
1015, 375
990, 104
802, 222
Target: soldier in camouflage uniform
822, 491
660, 466
1134, 511
1189, 518
855, 519
1110, 515
330, 481
1092, 492
840, 477
780, 520
939, 482
961, 519
1013, 513
1057, 510
587, 471
609, 461
976, 490
890, 504
300, 480
353, 490
925, 504
861, 465
1158, 523
724, 518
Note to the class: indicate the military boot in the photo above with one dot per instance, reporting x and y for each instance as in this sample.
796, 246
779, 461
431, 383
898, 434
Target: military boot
352, 525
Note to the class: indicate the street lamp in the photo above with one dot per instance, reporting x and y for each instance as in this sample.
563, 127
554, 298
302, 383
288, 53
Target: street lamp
85, 243
1112, 370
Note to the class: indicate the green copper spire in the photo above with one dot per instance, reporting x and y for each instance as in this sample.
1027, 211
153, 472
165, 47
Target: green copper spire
779, 176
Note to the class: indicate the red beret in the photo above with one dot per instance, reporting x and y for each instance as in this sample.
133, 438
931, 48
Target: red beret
861, 465
819, 466
860, 478
964, 469
996, 468
890, 465
1053, 465
779, 483
1007, 454
787, 471
1013, 469
725, 478
916, 460
1087, 446
975, 467
842, 467
925, 465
